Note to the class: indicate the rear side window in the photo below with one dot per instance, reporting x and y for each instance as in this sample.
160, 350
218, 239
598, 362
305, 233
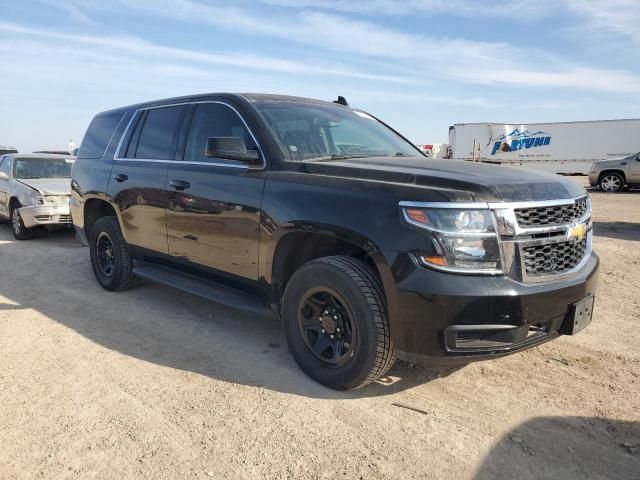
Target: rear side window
157, 133
98, 134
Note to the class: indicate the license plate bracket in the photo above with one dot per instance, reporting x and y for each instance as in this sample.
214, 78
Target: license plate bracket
581, 314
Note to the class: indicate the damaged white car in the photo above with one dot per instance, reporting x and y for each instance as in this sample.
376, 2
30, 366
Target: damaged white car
34, 191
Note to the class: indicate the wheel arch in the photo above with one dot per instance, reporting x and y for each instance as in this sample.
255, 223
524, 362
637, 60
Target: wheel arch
95, 208
612, 170
298, 244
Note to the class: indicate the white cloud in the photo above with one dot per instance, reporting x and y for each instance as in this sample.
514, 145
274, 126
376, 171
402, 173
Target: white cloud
137, 46
430, 56
519, 10
613, 16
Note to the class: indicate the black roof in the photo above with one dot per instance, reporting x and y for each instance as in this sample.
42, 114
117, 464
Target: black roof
249, 97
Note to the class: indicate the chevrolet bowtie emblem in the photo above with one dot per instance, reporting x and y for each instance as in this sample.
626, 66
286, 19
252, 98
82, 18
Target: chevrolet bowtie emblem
578, 232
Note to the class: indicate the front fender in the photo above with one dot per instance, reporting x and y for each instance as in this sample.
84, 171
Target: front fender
383, 261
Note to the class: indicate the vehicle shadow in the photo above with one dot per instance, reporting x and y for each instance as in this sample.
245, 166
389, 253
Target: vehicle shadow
617, 230
566, 448
161, 325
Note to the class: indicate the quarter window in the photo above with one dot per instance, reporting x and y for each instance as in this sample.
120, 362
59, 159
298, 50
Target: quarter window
158, 133
214, 120
98, 135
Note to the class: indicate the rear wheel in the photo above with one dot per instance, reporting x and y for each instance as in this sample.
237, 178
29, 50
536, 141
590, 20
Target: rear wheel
110, 256
611, 182
335, 320
20, 232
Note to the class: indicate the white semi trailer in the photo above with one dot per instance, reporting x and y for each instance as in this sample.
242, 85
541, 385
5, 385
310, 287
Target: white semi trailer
562, 147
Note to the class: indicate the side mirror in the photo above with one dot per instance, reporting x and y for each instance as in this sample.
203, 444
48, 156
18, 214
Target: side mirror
4, 176
232, 148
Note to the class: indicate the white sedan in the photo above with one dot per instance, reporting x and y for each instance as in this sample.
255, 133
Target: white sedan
35, 191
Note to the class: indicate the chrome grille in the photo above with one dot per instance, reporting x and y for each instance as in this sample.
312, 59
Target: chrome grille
553, 258
547, 216
64, 218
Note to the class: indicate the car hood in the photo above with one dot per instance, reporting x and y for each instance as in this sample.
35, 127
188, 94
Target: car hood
456, 179
617, 162
49, 186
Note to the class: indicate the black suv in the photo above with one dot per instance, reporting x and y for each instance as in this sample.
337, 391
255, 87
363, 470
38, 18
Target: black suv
329, 219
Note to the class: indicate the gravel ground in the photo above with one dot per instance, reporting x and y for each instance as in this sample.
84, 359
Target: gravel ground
152, 383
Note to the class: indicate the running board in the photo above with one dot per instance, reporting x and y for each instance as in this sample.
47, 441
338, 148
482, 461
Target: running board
215, 292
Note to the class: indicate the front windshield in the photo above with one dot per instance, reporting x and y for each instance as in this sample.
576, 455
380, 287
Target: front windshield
43, 168
308, 131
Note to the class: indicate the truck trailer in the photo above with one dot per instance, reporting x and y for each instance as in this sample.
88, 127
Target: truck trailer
559, 147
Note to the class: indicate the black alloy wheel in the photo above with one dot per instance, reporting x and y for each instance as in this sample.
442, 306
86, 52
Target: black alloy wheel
106, 257
326, 326
334, 314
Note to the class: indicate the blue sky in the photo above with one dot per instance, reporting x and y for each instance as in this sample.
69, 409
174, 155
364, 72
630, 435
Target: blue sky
421, 65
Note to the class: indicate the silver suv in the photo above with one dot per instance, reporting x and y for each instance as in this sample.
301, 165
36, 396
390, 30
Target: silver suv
613, 175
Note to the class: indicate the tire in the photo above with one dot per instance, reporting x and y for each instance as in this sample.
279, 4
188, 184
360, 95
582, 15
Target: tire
362, 350
611, 182
110, 256
20, 232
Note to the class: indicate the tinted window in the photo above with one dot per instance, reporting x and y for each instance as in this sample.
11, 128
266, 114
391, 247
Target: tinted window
214, 120
159, 131
133, 141
98, 134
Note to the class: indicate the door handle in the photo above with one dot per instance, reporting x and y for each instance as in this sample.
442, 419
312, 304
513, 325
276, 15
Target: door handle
120, 177
179, 184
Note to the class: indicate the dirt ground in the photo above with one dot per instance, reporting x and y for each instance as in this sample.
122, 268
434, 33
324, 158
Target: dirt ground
152, 383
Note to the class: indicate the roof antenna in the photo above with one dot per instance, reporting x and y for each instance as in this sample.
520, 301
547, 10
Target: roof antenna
341, 101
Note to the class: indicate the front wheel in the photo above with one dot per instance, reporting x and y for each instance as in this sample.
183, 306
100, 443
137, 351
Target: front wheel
20, 232
110, 257
335, 320
611, 182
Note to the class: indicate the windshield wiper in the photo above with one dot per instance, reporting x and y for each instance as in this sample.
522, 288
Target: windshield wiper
336, 156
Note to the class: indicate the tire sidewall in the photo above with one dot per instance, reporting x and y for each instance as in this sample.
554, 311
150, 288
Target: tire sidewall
24, 232
363, 360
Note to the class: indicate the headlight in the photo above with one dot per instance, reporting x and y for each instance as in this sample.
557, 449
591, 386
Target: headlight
464, 240
52, 200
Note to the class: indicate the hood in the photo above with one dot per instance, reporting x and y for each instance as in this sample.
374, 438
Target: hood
458, 179
615, 162
49, 186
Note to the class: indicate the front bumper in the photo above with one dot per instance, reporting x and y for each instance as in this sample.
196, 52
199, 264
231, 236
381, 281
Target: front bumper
440, 317
45, 215
593, 178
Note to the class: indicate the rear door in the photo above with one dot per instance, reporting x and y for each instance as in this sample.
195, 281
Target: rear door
139, 174
213, 212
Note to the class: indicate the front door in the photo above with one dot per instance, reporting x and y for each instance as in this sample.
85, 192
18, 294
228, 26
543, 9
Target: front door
5, 166
139, 175
213, 210
634, 169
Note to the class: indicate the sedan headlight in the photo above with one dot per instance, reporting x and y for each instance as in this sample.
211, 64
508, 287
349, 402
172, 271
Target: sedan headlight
464, 239
52, 200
